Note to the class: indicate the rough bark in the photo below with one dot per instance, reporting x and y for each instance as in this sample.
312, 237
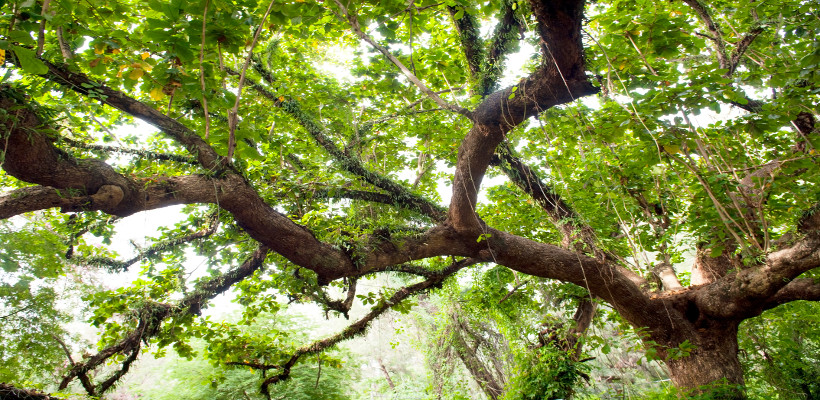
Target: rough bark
713, 361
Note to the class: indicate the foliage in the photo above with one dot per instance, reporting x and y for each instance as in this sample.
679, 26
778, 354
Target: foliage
207, 378
35, 289
358, 154
545, 373
780, 352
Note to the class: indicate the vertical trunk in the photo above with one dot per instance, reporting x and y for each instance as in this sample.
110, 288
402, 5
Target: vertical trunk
713, 364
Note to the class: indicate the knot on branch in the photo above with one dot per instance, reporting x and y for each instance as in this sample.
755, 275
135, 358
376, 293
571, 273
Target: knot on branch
108, 196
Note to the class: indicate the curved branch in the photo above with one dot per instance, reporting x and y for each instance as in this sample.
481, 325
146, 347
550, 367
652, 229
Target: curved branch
604, 279
81, 84
32, 157
560, 79
741, 294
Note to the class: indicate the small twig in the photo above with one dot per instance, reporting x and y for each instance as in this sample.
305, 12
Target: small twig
65, 349
319, 373
41, 35
628, 36
233, 118
202, 74
64, 48
354, 25
507, 296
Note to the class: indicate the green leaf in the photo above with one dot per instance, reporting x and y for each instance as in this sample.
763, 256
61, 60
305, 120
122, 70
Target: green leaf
29, 61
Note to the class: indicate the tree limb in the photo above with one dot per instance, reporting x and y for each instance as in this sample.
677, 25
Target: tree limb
798, 289
563, 67
152, 251
81, 84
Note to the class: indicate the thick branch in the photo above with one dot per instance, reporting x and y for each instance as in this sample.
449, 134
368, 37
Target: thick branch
80, 83
560, 79
798, 289
666, 274
31, 157
604, 279
741, 294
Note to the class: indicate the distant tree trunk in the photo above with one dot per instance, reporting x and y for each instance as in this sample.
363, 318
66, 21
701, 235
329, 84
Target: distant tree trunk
477, 369
386, 375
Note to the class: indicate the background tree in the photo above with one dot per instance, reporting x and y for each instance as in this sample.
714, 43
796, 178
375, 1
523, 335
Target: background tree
302, 181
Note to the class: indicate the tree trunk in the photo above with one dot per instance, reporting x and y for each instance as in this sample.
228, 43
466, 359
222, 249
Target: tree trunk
713, 364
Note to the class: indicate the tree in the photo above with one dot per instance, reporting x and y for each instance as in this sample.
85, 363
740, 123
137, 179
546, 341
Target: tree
703, 140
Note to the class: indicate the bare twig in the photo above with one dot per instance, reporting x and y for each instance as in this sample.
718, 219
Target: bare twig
233, 117
202, 75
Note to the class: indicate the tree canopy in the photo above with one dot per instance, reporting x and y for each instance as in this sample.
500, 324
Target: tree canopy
653, 161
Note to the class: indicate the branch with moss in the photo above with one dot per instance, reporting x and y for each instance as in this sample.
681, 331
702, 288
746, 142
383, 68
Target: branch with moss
148, 155
152, 252
432, 211
81, 84
150, 318
503, 42
399, 194
469, 36
726, 61
576, 235
360, 326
